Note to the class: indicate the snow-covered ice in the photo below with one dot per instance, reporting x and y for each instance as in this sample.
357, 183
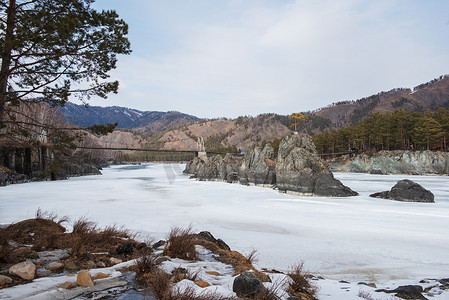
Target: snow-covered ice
354, 239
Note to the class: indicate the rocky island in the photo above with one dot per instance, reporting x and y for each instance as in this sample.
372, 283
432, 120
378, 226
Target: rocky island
297, 168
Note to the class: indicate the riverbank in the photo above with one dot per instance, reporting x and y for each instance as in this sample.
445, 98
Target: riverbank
37, 263
356, 239
393, 162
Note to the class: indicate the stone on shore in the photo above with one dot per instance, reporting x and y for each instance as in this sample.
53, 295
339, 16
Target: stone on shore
247, 285
25, 270
5, 280
54, 266
115, 261
84, 279
101, 276
67, 285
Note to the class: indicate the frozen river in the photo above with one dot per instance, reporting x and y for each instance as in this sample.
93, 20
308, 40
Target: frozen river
356, 238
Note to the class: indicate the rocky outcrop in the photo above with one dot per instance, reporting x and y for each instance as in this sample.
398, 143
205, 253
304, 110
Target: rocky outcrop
258, 167
9, 177
407, 191
25, 164
297, 169
394, 162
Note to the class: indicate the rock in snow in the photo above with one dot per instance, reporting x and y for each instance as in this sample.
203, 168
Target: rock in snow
407, 191
247, 285
84, 279
25, 270
298, 169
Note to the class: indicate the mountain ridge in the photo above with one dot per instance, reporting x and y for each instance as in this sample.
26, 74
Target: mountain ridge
175, 130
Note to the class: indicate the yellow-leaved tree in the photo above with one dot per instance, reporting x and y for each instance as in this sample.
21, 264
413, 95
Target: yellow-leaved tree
298, 119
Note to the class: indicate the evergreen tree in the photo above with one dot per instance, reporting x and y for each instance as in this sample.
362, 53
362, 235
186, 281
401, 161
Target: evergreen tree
427, 131
52, 49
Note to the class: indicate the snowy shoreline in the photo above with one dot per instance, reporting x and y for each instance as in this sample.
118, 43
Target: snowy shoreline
353, 239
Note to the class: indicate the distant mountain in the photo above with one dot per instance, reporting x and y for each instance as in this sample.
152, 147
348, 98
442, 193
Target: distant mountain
175, 130
144, 121
426, 96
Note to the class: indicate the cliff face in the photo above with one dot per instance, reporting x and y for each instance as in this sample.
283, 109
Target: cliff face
297, 169
394, 162
24, 164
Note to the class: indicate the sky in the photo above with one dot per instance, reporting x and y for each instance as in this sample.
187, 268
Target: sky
227, 58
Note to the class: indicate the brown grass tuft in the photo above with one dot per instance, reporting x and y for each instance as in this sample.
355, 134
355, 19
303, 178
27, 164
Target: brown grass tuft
365, 295
189, 294
146, 264
300, 283
113, 231
252, 257
181, 243
159, 283
51, 216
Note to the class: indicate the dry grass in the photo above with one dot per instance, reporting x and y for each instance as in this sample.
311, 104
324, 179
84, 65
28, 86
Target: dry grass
146, 264
113, 231
365, 295
274, 292
86, 234
189, 294
300, 283
51, 216
159, 283
252, 257
84, 226
181, 243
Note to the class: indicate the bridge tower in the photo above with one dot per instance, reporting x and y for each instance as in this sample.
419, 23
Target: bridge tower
201, 149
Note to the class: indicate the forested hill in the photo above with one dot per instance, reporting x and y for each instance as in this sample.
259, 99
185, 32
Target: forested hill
427, 96
148, 121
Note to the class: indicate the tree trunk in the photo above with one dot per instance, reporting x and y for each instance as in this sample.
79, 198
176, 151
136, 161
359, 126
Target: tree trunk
6, 58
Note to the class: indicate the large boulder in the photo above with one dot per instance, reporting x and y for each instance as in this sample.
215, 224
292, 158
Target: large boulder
407, 191
299, 169
247, 285
406, 292
25, 270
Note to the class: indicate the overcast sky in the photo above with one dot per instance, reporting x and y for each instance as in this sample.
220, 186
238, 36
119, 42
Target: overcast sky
226, 58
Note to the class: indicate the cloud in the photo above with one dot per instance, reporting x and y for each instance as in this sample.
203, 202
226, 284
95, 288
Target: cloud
282, 56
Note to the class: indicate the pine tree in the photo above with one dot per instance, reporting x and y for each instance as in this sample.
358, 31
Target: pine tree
54, 49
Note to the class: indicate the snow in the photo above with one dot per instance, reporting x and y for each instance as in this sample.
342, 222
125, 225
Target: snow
353, 239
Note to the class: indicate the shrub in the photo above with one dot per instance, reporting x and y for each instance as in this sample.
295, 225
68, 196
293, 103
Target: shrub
300, 283
181, 243
146, 264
